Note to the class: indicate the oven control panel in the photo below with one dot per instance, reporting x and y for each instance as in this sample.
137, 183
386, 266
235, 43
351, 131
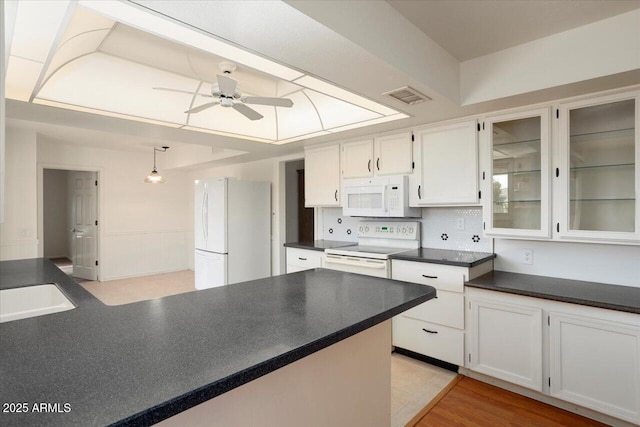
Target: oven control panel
405, 230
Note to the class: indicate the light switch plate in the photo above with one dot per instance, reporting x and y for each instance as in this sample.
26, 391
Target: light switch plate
459, 223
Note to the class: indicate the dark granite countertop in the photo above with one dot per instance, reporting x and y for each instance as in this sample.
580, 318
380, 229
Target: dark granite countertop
319, 245
614, 297
139, 363
444, 256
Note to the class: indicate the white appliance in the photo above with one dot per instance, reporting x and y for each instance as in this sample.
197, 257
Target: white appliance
380, 196
232, 231
376, 241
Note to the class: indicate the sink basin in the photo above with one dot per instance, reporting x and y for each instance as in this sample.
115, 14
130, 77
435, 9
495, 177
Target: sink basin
32, 301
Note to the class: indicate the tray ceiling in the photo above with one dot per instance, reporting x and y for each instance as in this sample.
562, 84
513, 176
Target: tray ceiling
105, 66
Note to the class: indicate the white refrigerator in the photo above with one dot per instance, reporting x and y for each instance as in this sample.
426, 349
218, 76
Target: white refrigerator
232, 231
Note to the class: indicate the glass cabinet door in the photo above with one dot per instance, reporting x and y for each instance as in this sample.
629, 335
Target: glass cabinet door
517, 185
599, 148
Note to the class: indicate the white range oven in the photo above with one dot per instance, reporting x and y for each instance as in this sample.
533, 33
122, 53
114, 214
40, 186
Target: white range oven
376, 241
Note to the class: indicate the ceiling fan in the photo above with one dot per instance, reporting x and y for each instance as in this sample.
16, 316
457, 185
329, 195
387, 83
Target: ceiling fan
226, 93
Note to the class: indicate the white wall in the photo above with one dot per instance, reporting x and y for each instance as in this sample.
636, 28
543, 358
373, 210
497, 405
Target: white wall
18, 232
603, 48
144, 228
614, 264
55, 235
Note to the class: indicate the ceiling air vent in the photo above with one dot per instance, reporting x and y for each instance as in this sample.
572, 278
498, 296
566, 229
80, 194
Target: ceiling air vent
408, 95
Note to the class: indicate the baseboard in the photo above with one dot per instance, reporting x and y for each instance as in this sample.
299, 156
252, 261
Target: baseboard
579, 410
142, 274
430, 360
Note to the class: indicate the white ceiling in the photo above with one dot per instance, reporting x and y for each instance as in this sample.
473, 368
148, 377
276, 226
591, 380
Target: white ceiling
334, 42
468, 29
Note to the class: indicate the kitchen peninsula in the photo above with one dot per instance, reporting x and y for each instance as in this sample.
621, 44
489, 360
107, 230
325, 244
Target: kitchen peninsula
302, 336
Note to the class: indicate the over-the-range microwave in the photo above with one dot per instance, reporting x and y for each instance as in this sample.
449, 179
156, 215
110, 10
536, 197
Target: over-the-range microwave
380, 196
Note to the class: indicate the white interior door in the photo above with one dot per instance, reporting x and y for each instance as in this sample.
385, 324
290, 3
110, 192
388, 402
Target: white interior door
83, 220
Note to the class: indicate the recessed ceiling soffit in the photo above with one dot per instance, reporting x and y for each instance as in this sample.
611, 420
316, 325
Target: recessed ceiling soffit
114, 67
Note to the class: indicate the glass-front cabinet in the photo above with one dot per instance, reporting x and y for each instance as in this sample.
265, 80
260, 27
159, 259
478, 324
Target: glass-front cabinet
598, 176
515, 180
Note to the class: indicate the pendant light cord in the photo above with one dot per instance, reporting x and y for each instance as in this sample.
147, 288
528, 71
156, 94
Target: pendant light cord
162, 150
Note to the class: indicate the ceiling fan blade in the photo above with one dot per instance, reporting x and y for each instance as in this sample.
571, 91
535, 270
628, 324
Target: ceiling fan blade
202, 107
248, 112
227, 85
262, 100
182, 91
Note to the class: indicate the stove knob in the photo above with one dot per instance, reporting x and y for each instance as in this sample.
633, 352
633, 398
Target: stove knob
404, 230
411, 230
366, 229
361, 229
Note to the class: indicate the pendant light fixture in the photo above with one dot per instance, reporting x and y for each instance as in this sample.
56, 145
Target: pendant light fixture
154, 177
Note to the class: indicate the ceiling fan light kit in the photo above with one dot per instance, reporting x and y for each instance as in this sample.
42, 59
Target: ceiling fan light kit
154, 177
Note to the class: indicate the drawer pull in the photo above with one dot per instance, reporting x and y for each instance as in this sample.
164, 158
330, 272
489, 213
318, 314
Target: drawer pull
429, 332
429, 277
302, 259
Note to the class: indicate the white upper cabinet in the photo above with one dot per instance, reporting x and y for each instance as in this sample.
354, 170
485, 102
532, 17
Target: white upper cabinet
393, 154
516, 174
322, 176
597, 176
447, 165
357, 159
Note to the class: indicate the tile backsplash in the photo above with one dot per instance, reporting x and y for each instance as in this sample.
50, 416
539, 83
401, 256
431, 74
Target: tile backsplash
439, 228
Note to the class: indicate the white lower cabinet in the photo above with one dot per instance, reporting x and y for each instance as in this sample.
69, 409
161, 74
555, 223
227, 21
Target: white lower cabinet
506, 342
430, 339
596, 363
583, 355
303, 259
435, 328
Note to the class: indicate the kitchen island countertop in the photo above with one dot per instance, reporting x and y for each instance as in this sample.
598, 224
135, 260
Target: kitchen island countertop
140, 363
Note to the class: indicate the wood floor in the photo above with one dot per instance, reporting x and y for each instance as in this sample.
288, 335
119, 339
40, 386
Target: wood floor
474, 403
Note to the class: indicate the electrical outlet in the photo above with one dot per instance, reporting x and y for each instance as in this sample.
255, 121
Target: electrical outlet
459, 223
527, 256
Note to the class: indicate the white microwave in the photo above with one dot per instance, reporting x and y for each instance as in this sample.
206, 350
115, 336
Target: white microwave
380, 196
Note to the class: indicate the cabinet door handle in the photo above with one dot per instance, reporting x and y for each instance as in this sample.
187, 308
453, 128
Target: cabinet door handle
419, 196
302, 259
369, 165
429, 277
336, 195
378, 163
429, 332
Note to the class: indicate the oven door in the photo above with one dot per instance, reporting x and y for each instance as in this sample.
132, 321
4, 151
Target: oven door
352, 264
365, 200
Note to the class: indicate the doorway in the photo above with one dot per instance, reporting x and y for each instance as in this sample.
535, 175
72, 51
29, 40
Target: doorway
300, 221
70, 221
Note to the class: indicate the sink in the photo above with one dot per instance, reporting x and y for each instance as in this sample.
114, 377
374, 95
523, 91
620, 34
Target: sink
32, 301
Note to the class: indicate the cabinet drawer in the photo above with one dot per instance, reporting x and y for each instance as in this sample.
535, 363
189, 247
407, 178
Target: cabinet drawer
426, 338
305, 259
441, 277
447, 309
